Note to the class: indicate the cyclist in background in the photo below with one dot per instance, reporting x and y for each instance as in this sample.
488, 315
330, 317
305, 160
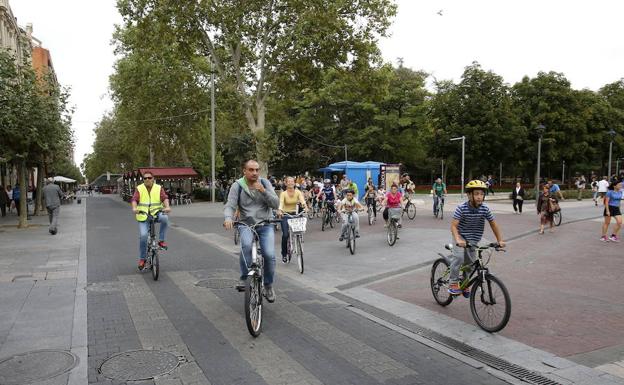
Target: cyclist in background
288, 201
555, 190
370, 193
467, 226
350, 203
407, 187
393, 200
438, 190
328, 194
353, 187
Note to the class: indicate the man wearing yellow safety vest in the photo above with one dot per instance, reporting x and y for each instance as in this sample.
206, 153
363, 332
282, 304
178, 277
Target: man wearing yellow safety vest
150, 197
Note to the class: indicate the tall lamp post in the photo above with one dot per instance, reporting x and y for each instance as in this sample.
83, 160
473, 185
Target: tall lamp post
463, 139
212, 133
540, 132
612, 134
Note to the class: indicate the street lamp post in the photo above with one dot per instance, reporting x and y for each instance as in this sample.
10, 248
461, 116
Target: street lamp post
463, 139
212, 133
612, 134
563, 173
540, 131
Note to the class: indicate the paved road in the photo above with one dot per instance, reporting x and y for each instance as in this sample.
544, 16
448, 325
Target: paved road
309, 337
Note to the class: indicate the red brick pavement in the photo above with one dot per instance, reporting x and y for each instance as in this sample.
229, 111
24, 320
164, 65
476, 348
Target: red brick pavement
564, 287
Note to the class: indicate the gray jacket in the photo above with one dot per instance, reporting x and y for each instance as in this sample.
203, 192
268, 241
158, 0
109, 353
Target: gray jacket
254, 206
52, 194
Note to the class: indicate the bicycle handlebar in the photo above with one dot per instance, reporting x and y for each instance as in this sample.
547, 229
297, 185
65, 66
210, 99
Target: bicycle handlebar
493, 245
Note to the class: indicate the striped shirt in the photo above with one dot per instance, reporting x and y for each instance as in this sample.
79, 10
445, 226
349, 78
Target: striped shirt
472, 221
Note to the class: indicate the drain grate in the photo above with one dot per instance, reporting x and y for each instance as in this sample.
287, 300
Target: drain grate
514, 370
139, 365
217, 283
35, 366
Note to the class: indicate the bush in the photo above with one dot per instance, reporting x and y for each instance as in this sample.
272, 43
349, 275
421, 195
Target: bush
204, 194
529, 194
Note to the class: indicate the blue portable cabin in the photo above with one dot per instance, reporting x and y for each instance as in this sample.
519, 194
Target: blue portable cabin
358, 172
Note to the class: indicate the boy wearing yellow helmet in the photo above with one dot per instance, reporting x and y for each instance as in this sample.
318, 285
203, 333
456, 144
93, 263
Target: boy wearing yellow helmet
467, 226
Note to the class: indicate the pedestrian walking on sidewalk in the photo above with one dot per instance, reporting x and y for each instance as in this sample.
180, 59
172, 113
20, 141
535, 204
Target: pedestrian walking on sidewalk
546, 208
4, 200
17, 194
52, 194
518, 198
612, 210
580, 185
594, 187
603, 187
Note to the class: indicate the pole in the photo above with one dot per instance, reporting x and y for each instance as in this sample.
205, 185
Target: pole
617, 166
500, 180
212, 134
346, 161
563, 173
537, 177
442, 173
463, 164
609, 168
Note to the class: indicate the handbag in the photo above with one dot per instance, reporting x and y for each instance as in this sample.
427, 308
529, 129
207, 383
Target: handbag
553, 206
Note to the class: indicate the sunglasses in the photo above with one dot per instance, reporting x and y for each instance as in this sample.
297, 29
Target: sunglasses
148, 177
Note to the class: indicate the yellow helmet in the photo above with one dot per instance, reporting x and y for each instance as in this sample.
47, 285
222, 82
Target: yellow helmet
475, 185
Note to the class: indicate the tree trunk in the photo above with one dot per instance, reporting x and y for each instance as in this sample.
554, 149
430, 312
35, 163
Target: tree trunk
40, 183
23, 182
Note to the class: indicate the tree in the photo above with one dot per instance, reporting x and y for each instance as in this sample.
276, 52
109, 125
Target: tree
262, 47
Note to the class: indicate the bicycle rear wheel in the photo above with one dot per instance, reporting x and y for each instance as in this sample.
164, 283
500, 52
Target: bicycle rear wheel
392, 232
557, 218
490, 304
352, 241
155, 265
411, 211
300, 253
440, 275
253, 305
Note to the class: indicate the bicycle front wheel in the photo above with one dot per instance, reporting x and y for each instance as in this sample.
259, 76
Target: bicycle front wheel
300, 253
411, 211
441, 211
352, 242
557, 218
440, 275
236, 236
392, 232
371, 216
155, 265
253, 305
490, 304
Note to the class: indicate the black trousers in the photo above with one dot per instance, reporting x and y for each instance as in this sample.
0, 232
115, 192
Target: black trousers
517, 204
3, 209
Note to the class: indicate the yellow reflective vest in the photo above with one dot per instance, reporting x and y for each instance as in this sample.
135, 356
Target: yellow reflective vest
148, 201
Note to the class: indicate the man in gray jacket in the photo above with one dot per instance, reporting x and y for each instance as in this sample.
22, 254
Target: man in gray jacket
254, 197
52, 194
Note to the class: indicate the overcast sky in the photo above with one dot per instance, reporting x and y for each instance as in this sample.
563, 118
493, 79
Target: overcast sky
582, 39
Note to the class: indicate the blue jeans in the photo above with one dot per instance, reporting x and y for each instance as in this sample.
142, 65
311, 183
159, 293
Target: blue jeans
266, 234
163, 219
285, 233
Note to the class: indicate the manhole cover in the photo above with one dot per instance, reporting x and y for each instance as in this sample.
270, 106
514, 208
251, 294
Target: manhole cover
217, 283
35, 366
139, 365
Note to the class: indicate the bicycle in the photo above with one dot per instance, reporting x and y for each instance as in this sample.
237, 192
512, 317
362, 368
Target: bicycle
350, 236
438, 210
486, 290
297, 227
254, 284
393, 225
327, 215
152, 261
409, 209
557, 218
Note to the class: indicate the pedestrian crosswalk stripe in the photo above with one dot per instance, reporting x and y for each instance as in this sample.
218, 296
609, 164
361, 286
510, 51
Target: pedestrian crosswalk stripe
273, 364
372, 362
148, 315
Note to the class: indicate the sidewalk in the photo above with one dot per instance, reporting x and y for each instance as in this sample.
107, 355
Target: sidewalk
43, 310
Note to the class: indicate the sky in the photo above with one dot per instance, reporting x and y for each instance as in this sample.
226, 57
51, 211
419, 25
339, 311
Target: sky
580, 38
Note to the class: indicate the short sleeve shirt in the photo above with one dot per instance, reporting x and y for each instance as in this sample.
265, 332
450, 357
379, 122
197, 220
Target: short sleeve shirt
614, 198
394, 200
472, 221
349, 203
554, 188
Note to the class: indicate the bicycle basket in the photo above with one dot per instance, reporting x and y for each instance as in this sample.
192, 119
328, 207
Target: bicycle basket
395, 213
297, 225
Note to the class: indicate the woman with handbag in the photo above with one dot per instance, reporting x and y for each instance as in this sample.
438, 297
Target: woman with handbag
517, 195
612, 210
547, 204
